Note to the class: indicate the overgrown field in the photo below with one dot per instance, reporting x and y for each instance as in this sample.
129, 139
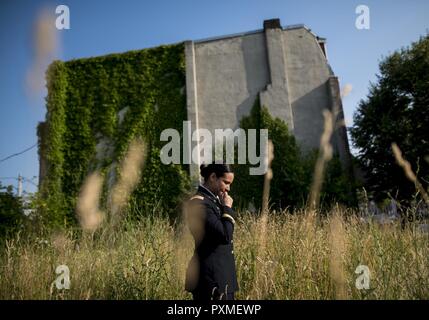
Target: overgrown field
278, 256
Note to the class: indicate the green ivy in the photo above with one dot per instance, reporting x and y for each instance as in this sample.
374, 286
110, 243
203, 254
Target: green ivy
85, 97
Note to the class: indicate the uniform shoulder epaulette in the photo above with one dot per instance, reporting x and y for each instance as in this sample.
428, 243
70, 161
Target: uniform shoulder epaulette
197, 196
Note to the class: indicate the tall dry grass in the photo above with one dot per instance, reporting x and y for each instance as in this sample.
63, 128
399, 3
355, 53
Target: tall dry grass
305, 257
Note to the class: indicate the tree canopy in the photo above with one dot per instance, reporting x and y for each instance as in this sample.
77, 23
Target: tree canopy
395, 110
11, 212
293, 170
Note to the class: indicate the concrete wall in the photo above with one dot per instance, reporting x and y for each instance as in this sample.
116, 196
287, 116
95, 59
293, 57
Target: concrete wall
308, 73
224, 78
286, 67
230, 73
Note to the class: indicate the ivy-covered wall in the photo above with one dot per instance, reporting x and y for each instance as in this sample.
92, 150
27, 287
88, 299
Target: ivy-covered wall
95, 107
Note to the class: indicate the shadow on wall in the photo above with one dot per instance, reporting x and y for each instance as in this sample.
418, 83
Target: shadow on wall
256, 70
308, 116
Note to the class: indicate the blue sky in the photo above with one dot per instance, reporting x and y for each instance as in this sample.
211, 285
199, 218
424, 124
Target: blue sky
102, 27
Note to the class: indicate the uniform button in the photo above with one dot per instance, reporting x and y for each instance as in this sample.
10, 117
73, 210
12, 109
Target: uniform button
232, 241
232, 251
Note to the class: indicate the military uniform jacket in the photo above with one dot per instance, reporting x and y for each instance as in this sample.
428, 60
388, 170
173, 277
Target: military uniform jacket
212, 267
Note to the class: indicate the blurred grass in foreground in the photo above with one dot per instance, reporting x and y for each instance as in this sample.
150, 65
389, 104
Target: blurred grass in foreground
305, 257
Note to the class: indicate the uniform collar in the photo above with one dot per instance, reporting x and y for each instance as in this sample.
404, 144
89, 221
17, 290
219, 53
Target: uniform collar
207, 192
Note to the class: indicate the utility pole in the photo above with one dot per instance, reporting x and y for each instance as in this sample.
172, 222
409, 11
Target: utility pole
19, 185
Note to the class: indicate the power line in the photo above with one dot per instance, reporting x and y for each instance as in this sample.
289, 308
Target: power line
25, 179
17, 154
30, 181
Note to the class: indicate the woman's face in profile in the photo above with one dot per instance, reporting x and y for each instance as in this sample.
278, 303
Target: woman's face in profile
222, 184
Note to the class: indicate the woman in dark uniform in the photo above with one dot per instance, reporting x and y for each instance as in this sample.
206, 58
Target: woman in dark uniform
211, 272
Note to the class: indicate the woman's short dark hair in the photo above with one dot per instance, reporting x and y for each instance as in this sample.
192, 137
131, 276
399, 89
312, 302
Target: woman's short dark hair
218, 168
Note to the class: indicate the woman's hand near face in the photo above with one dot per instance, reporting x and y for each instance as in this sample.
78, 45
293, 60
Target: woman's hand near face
225, 199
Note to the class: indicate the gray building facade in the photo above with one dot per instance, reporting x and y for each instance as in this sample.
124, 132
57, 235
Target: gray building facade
287, 68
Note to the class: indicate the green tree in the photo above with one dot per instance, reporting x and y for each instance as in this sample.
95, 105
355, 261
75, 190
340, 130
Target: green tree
337, 187
288, 184
292, 170
11, 212
395, 110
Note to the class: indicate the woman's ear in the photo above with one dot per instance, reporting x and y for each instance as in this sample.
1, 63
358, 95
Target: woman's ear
212, 177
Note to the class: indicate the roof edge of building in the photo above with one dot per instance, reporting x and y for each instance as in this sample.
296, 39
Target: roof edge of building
246, 33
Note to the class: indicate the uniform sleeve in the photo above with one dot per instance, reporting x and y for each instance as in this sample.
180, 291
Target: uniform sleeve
221, 228
196, 213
